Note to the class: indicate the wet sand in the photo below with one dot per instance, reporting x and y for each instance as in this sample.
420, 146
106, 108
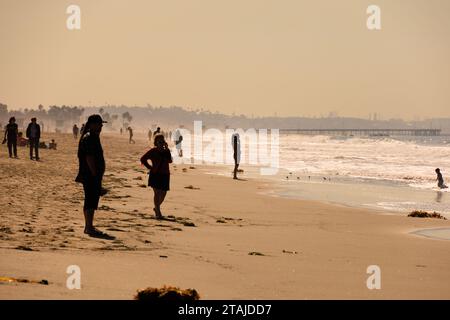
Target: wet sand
301, 249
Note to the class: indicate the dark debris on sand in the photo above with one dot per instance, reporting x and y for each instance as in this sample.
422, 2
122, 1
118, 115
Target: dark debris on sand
22, 280
168, 294
424, 214
254, 253
25, 248
192, 187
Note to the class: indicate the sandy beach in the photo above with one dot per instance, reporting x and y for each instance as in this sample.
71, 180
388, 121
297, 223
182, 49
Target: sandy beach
301, 249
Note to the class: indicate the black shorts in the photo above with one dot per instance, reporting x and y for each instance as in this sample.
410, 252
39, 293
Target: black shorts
159, 181
92, 190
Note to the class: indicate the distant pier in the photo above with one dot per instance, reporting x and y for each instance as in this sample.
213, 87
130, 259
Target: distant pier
366, 132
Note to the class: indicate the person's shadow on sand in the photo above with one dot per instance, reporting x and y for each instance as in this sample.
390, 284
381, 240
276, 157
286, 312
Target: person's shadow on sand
101, 235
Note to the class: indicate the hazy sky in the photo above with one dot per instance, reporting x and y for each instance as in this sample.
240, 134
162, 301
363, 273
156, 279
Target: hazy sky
292, 57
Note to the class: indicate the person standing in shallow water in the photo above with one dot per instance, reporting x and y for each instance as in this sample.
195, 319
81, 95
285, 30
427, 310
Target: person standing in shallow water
11, 133
91, 170
159, 176
440, 179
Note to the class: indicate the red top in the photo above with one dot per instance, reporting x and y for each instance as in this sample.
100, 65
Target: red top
160, 160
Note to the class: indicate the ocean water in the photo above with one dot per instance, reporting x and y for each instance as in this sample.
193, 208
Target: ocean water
410, 161
394, 174
388, 173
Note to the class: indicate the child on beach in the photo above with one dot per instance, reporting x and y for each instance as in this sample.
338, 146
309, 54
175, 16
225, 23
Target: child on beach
159, 176
440, 179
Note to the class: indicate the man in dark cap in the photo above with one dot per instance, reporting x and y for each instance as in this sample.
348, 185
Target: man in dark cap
91, 170
34, 134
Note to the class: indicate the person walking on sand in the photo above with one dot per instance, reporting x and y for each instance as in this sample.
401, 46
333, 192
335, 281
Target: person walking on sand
131, 135
91, 170
11, 134
75, 131
159, 175
34, 134
440, 179
178, 138
236, 143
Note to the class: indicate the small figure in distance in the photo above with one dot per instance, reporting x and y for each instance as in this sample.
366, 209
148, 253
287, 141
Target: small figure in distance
236, 143
440, 179
52, 145
178, 138
34, 134
75, 131
131, 135
11, 135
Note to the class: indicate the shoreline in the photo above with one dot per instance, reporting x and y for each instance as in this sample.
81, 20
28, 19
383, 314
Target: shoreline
333, 245
382, 196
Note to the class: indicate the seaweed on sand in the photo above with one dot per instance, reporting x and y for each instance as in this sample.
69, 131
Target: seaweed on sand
167, 293
424, 214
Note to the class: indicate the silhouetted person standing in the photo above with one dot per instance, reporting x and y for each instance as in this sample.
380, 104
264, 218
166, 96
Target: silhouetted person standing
440, 179
131, 135
75, 131
236, 143
34, 134
159, 178
158, 131
11, 133
91, 170
178, 138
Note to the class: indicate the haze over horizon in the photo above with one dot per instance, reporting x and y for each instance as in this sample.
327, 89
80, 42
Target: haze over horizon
296, 58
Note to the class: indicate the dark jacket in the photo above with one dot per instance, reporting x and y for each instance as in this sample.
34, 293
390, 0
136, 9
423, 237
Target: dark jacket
38, 129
